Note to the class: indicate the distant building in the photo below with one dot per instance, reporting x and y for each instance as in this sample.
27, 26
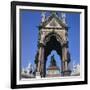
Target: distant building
53, 70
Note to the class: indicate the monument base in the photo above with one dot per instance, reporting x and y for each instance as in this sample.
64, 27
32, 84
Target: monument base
38, 75
66, 73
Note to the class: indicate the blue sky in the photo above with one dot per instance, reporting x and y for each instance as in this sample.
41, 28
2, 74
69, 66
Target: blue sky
30, 21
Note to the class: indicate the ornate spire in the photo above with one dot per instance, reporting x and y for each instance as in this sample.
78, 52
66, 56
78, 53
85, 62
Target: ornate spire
54, 13
43, 16
63, 16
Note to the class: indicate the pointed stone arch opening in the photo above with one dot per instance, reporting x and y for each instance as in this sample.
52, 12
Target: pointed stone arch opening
52, 43
53, 34
53, 69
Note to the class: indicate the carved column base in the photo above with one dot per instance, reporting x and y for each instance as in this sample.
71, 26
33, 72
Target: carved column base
38, 75
66, 73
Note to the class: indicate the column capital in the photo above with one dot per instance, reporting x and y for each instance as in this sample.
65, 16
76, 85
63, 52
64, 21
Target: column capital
41, 45
65, 44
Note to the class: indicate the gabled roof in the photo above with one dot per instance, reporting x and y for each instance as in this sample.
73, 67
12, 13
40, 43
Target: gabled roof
58, 19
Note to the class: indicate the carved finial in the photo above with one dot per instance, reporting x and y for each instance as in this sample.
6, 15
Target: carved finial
55, 13
63, 16
43, 16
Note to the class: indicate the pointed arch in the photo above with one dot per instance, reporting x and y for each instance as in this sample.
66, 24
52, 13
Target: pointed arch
58, 37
